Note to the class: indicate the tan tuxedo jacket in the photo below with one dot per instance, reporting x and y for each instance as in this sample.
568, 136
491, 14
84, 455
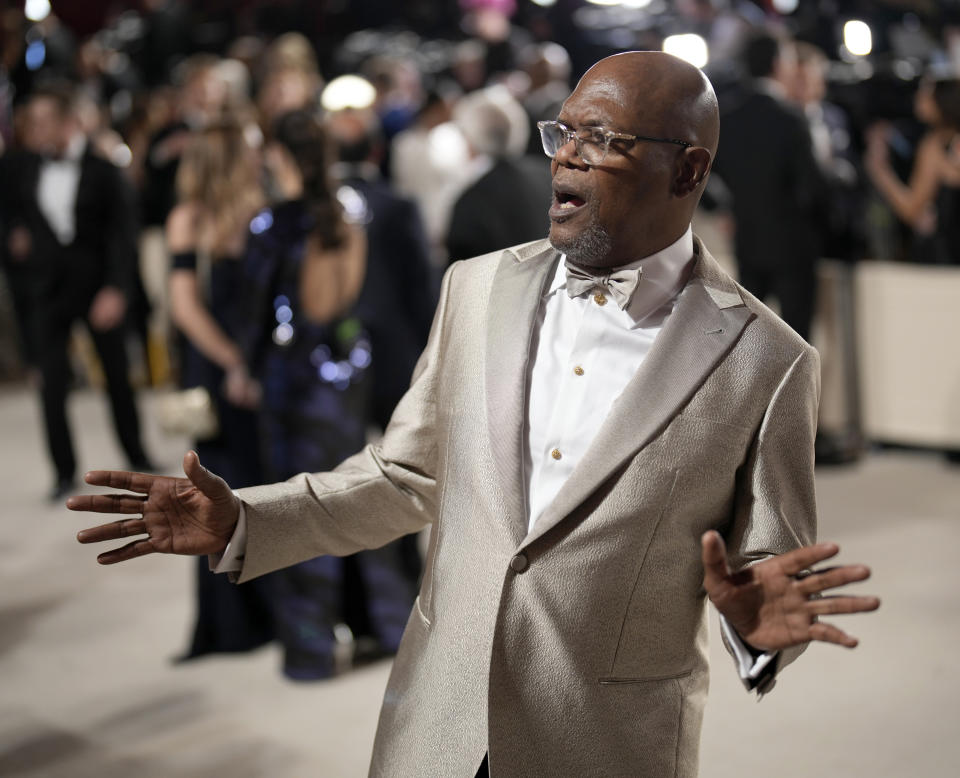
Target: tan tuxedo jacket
577, 649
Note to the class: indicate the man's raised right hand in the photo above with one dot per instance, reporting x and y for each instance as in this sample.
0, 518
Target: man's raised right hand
192, 515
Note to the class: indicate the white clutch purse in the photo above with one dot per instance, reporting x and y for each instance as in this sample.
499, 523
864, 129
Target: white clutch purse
188, 413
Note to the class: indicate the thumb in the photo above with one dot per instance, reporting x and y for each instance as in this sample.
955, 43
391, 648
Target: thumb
716, 571
212, 485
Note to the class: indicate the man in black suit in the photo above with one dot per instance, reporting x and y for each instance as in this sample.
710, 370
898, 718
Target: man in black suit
503, 206
70, 216
766, 160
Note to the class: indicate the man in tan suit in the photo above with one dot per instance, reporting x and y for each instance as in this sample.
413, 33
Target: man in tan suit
586, 444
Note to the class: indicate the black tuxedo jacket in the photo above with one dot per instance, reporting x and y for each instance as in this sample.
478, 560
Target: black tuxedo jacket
103, 250
766, 159
506, 206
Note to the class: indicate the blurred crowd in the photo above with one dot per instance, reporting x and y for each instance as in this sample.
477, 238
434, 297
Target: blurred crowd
258, 201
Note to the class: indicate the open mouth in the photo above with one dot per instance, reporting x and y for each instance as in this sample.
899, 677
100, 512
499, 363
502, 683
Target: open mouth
565, 203
568, 200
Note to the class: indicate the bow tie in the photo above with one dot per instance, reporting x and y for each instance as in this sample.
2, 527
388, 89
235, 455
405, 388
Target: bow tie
621, 284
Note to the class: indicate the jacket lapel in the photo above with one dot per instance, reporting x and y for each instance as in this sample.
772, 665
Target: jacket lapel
708, 318
515, 296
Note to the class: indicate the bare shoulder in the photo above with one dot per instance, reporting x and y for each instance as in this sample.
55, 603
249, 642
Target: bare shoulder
182, 227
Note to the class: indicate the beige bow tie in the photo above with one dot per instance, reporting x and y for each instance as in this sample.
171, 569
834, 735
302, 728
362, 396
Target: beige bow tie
621, 284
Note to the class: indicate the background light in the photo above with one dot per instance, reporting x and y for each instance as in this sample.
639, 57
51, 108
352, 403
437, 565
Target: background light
36, 10
857, 38
545, 3
348, 92
785, 6
690, 47
35, 55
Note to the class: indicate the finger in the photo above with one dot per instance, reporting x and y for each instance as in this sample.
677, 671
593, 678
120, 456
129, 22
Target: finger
129, 551
121, 479
213, 486
827, 633
821, 580
824, 606
716, 571
112, 531
107, 503
801, 558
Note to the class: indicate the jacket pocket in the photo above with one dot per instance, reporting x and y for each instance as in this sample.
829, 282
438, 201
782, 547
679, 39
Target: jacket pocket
612, 680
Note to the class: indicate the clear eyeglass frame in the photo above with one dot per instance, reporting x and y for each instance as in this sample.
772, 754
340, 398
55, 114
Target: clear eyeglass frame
592, 143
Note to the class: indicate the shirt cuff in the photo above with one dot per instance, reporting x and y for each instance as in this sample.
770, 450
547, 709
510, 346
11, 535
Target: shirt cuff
230, 560
756, 670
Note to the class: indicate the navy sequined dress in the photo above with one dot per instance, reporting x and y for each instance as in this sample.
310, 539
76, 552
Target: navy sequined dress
314, 414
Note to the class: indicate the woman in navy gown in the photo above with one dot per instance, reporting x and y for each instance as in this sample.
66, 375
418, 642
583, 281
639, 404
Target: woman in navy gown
306, 266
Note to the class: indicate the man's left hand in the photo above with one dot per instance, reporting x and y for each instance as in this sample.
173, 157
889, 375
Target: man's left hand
775, 603
108, 308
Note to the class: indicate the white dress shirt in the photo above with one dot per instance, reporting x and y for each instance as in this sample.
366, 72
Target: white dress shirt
585, 354
585, 351
57, 190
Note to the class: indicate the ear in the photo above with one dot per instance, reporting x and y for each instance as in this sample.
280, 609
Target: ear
693, 167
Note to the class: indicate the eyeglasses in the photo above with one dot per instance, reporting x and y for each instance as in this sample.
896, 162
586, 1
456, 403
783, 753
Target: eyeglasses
592, 143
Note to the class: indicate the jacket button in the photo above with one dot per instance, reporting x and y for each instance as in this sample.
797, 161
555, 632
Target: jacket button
519, 563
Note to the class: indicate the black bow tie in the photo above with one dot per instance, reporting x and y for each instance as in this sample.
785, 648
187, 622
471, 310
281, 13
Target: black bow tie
621, 284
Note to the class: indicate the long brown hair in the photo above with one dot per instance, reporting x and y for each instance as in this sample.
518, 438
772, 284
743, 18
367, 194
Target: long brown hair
301, 134
215, 173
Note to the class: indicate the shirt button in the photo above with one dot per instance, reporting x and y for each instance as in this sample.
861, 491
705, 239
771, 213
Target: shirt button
519, 563
578, 370
600, 298
556, 454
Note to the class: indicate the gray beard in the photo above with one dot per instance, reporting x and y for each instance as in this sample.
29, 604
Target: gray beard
589, 248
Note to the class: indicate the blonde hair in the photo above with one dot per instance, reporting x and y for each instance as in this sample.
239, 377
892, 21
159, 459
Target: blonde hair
215, 174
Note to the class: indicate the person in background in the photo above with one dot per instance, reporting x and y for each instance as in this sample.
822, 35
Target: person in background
199, 102
307, 266
547, 65
504, 204
929, 202
289, 79
397, 301
428, 163
69, 229
766, 161
843, 230
218, 191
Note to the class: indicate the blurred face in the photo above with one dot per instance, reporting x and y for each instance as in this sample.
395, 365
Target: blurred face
811, 83
204, 94
621, 210
45, 126
786, 66
286, 90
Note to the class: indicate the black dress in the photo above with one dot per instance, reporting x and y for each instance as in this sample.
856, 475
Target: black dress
230, 617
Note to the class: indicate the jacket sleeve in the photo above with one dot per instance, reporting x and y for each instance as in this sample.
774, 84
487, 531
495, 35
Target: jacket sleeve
121, 230
385, 491
775, 507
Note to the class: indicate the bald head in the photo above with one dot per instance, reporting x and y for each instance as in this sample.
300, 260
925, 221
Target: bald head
671, 97
641, 195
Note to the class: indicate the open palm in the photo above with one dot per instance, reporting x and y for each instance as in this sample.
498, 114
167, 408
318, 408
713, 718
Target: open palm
775, 604
192, 515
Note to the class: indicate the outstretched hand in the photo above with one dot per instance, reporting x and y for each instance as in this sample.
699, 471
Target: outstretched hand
774, 604
192, 515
